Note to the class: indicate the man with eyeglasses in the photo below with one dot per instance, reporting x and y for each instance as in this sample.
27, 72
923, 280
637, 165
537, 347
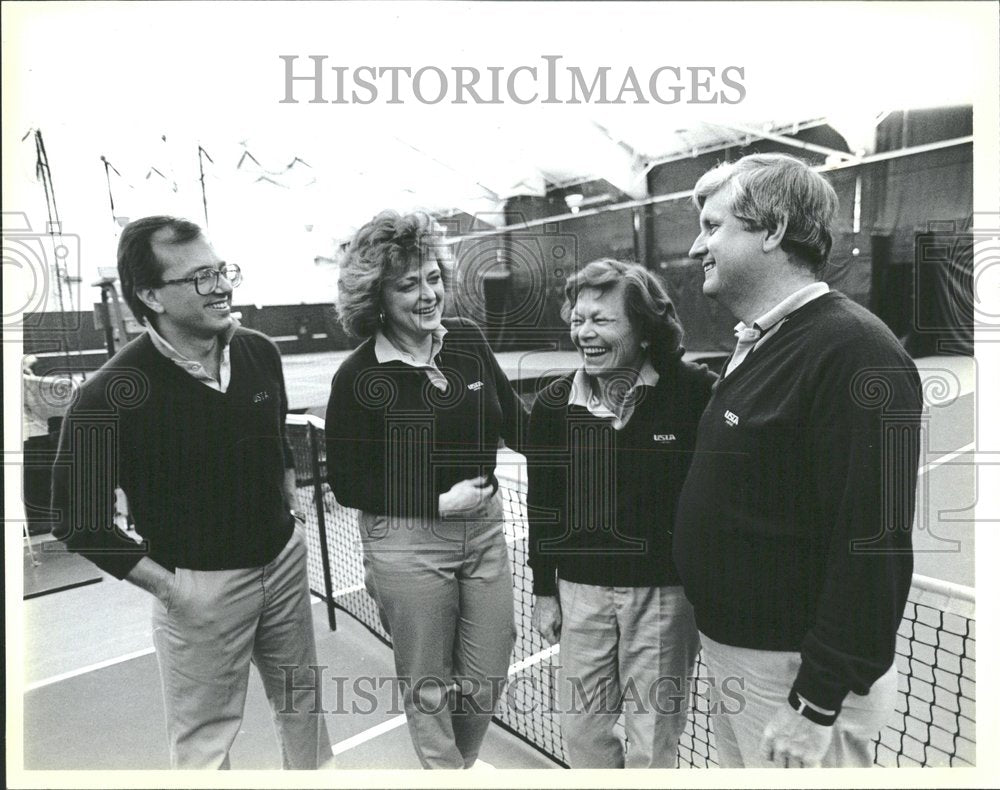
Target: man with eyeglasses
188, 420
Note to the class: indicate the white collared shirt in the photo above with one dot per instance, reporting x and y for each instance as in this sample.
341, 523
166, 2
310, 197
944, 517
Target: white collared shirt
385, 351
770, 322
196, 369
582, 394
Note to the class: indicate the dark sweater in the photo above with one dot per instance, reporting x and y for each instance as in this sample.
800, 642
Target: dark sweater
203, 470
793, 529
601, 502
394, 442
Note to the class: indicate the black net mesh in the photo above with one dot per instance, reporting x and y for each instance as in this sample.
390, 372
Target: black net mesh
935, 720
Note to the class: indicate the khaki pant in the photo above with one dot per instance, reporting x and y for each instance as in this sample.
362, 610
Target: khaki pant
215, 624
624, 651
445, 595
749, 686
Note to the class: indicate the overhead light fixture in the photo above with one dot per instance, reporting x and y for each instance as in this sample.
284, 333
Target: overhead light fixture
574, 201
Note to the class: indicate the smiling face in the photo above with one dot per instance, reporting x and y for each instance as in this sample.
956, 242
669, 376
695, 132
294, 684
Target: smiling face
414, 302
600, 328
730, 255
180, 310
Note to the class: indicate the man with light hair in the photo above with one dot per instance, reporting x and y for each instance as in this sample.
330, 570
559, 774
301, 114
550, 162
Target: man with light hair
792, 536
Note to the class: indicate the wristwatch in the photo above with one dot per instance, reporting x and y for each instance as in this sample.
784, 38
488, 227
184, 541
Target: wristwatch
814, 714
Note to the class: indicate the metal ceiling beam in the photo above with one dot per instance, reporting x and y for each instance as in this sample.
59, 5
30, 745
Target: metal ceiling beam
687, 193
789, 141
491, 193
632, 154
886, 155
694, 151
629, 178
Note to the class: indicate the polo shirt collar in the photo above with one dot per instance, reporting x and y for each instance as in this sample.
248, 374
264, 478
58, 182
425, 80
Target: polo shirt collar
195, 369
786, 307
385, 351
582, 394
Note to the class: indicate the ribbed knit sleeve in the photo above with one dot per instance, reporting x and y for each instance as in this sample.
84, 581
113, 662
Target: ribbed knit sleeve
514, 423
546, 500
85, 475
866, 427
355, 439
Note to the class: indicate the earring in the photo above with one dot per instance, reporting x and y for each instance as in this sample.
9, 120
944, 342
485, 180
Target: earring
644, 344
381, 317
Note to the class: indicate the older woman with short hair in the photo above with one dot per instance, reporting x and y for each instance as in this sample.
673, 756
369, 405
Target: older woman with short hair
415, 416
609, 447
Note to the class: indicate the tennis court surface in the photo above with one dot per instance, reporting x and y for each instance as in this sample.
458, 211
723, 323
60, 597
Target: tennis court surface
93, 701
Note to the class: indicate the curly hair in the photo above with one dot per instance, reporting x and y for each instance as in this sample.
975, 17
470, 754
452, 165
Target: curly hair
647, 305
385, 247
767, 188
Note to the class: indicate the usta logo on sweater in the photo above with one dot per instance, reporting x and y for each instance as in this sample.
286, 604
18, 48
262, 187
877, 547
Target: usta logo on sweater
732, 419
664, 437
261, 396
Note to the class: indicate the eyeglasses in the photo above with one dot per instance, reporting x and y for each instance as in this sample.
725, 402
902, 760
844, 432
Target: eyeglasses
207, 280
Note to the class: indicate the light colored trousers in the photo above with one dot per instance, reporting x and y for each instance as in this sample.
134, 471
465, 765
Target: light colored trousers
445, 594
215, 624
756, 685
631, 651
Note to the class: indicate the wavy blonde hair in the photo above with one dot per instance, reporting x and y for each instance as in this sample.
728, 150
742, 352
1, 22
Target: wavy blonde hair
387, 246
767, 188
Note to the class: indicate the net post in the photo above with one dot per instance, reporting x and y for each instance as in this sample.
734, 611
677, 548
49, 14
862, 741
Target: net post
331, 610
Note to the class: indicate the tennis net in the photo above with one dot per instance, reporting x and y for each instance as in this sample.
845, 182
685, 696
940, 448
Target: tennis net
935, 718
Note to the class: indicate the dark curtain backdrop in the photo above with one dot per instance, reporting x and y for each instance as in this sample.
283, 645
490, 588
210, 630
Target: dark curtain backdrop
909, 261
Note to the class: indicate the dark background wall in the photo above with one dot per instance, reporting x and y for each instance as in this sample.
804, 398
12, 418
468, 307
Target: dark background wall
877, 257
297, 328
512, 282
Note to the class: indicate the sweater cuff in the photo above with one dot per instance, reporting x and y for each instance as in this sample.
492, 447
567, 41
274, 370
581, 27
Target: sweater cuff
813, 713
118, 564
544, 580
820, 689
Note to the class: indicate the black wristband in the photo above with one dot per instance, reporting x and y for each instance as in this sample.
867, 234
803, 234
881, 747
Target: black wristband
803, 709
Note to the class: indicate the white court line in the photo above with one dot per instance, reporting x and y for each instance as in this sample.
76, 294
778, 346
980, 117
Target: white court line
89, 668
531, 660
399, 721
110, 662
339, 748
369, 734
381, 729
945, 458
346, 590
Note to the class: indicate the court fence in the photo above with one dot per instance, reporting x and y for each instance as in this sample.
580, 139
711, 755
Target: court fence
935, 719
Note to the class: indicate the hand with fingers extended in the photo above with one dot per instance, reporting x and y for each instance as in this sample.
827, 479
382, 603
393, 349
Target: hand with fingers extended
466, 499
790, 740
547, 618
